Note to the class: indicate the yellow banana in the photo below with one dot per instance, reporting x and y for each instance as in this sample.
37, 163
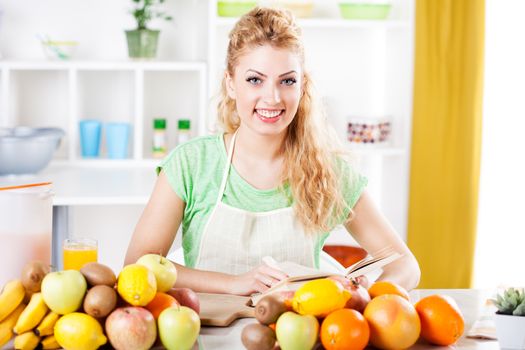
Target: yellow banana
26, 341
47, 324
12, 296
32, 314
50, 343
6, 326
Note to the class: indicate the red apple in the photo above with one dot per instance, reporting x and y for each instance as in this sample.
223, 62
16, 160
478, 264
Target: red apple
131, 327
186, 297
360, 297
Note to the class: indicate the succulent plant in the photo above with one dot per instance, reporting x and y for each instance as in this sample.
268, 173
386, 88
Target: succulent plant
512, 302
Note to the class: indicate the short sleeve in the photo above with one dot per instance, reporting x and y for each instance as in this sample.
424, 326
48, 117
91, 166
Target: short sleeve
176, 167
352, 186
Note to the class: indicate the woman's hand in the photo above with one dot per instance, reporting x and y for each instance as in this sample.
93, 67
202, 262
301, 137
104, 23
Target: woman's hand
256, 280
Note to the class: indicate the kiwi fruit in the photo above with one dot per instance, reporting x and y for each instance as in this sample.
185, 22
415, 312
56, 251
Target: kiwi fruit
268, 309
98, 274
32, 275
256, 336
100, 301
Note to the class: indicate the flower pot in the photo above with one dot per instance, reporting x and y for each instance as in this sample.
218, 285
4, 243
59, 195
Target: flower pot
510, 330
142, 43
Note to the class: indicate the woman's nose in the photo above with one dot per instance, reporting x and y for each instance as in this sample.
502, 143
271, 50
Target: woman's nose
272, 94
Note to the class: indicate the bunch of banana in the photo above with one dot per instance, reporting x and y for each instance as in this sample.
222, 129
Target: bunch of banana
42, 334
50, 343
12, 296
11, 307
47, 324
26, 341
6, 326
32, 314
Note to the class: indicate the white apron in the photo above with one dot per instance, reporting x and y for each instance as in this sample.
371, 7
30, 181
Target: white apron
235, 240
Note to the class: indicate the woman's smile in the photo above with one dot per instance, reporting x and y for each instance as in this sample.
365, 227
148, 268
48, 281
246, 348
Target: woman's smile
269, 115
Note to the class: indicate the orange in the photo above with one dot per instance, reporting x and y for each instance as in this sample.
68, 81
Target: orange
160, 302
385, 287
344, 329
394, 322
441, 320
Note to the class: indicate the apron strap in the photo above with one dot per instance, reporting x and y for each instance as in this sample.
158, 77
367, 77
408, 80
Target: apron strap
227, 167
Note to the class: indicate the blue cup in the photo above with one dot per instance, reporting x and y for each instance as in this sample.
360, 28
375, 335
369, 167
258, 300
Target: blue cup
90, 138
117, 136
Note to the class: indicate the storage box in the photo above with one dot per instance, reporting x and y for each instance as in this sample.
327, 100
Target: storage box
234, 8
364, 10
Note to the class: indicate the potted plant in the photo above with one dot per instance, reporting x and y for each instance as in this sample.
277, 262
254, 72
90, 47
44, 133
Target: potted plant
142, 41
509, 319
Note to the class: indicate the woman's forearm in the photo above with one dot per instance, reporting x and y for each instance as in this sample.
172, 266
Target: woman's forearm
203, 281
404, 272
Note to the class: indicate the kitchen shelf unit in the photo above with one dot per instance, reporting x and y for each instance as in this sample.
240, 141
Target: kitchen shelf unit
40, 93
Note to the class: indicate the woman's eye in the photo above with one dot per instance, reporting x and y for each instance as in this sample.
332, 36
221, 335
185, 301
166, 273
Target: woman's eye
254, 80
289, 81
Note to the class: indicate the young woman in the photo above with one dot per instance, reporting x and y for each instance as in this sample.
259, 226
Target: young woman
272, 184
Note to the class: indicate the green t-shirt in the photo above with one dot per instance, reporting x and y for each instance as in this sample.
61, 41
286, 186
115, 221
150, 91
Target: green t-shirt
195, 169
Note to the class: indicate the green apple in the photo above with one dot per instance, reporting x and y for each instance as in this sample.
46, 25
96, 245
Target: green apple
63, 291
164, 270
179, 328
296, 332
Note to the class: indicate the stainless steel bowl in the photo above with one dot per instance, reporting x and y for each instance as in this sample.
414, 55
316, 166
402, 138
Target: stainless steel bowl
25, 150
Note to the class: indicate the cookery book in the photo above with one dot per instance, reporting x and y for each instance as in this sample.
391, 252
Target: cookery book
299, 274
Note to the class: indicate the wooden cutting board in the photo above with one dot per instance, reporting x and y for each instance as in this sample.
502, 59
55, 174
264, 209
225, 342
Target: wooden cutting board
222, 309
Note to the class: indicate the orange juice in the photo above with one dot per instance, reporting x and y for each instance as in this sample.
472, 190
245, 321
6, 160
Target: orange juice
78, 252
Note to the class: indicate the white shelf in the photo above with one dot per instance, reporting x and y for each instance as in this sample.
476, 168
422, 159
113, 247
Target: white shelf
383, 151
331, 23
76, 184
107, 163
105, 65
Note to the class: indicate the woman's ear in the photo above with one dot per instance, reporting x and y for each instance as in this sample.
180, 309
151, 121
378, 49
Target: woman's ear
229, 85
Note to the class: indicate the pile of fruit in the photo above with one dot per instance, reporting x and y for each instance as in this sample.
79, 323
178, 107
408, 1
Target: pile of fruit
86, 309
337, 314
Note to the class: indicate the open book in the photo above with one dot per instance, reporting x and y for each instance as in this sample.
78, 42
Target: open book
299, 274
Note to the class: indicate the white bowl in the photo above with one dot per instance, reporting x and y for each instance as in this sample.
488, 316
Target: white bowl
25, 150
59, 50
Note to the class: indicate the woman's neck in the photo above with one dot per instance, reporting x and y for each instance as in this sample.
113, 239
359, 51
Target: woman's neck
265, 148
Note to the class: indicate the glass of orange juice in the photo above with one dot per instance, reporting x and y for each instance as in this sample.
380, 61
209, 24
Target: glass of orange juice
79, 251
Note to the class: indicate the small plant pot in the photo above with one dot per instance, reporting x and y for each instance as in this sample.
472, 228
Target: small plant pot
510, 331
142, 43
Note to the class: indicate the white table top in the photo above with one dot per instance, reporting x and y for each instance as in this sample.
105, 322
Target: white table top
124, 183
469, 301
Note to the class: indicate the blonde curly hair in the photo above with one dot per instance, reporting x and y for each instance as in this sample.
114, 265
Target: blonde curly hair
310, 148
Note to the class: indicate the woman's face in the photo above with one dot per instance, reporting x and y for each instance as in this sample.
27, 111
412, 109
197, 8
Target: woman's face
267, 88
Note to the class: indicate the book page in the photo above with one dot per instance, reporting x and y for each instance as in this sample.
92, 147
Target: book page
298, 274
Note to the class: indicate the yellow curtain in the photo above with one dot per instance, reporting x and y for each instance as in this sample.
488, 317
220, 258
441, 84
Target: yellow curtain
446, 140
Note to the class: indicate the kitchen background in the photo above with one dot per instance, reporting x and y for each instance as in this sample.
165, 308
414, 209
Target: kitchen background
364, 70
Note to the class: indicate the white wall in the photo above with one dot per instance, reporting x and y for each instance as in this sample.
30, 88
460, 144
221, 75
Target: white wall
501, 232
98, 26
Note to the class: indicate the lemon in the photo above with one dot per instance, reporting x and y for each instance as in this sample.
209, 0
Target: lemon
320, 297
79, 331
137, 285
